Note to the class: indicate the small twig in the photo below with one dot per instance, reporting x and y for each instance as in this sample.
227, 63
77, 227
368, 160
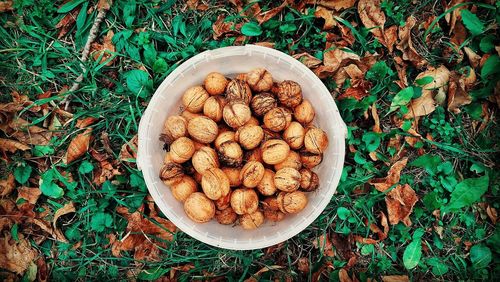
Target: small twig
85, 54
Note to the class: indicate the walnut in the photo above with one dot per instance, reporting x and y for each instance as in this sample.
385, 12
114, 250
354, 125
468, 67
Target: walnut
251, 174
184, 188
266, 186
244, 201
293, 202
194, 98
215, 183
294, 135
182, 150
309, 180
292, 160
259, 80
271, 209
189, 115
199, 208
223, 202
289, 93
238, 90
230, 153
310, 160
204, 158
253, 155
304, 113
203, 129
171, 173
253, 121
174, 128
241, 76
213, 108
236, 114
233, 174
269, 134
315, 140
215, 83
252, 220
249, 136
277, 119
274, 151
224, 137
263, 103
226, 216
287, 179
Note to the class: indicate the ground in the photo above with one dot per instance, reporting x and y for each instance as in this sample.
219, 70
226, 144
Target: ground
415, 81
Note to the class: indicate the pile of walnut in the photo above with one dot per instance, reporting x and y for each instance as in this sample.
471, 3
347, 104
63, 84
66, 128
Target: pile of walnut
249, 142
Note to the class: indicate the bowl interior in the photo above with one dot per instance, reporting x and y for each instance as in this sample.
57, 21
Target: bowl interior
231, 61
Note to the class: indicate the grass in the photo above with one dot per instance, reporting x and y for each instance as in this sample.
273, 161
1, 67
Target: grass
156, 37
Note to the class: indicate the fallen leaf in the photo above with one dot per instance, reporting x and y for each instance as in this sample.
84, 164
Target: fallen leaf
336, 5
225, 29
382, 235
426, 103
373, 18
7, 185
458, 89
391, 37
128, 152
307, 59
106, 170
67, 208
343, 247
26, 133
344, 276
266, 44
263, 17
29, 194
303, 265
265, 269
5, 6
43, 273
376, 120
323, 243
67, 22
16, 255
78, 146
357, 92
85, 122
492, 214
453, 17
405, 44
333, 59
12, 145
393, 176
474, 58
326, 15
104, 4
395, 278
400, 202
106, 49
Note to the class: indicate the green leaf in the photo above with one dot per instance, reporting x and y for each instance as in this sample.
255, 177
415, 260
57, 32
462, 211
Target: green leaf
491, 66
472, 22
138, 82
100, 221
343, 213
438, 267
85, 167
22, 173
41, 151
149, 54
480, 255
372, 140
251, 29
137, 181
14, 232
431, 201
152, 274
69, 6
48, 187
378, 71
412, 254
401, 99
424, 80
429, 162
160, 66
467, 192
487, 44
367, 250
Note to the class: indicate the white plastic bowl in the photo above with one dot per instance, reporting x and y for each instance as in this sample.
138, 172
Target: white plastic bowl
230, 61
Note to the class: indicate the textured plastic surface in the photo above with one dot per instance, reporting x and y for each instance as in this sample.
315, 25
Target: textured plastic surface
230, 61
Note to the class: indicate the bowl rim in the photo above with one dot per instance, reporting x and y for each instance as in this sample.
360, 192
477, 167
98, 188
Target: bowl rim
143, 164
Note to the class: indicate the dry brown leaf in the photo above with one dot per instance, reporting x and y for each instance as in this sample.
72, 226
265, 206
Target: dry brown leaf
474, 58
400, 202
327, 15
106, 49
16, 255
336, 5
5, 6
142, 234
266, 44
128, 152
7, 185
307, 59
26, 133
395, 278
67, 22
265, 269
454, 17
85, 122
104, 4
492, 214
303, 265
29, 194
426, 103
78, 146
458, 89
344, 276
393, 176
356, 92
12, 145
333, 59
344, 248
67, 208
324, 243
263, 17
43, 273
405, 44
225, 29
106, 170
382, 235
373, 18
376, 120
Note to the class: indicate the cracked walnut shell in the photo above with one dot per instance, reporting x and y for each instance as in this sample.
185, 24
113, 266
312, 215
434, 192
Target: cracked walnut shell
184, 188
294, 135
274, 151
181, 150
236, 114
194, 98
244, 201
251, 174
249, 136
174, 128
315, 140
204, 158
171, 172
213, 108
287, 179
263, 103
259, 80
252, 220
230, 153
289, 93
277, 119
309, 180
238, 90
